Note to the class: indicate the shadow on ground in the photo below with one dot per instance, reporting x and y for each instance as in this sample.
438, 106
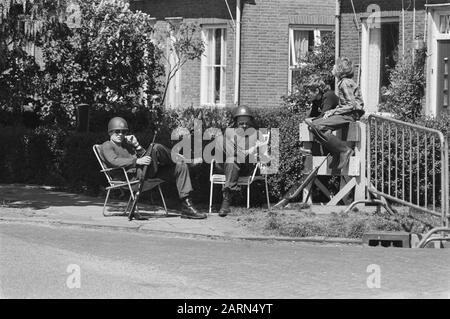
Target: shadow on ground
41, 197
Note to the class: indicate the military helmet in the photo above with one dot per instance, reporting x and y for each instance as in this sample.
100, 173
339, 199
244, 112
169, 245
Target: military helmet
117, 123
242, 111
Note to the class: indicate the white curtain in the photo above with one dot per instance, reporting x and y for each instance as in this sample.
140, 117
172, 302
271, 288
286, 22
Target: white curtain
210, 69
299, 45
373, 69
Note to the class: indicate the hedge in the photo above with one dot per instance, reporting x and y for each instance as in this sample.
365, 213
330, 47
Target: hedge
54, 157
65, 159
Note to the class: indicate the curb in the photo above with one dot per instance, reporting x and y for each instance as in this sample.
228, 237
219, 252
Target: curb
138, 229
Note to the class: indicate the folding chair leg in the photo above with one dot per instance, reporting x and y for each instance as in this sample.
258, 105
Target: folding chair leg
248, 196
162, 197
267, 192
104, 204
210, 196
128, 205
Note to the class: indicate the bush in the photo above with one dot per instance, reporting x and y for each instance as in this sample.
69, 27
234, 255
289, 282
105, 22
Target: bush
79, 166
404, 95
55, 157
67, 159
319, 61
30, 155
13, 154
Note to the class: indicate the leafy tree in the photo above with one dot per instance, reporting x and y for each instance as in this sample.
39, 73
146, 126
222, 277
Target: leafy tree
320, 60
108, 62
176, 45
21, 25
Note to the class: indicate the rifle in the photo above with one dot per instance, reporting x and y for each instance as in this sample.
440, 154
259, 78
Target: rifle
296, 189
142, 179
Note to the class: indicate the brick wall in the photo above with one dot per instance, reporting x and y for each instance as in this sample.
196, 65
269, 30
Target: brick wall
385, 5
202, 12
350, 45
195, 9
264, 46
350, 39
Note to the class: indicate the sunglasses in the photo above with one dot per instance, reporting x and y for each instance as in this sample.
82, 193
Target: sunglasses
119, 131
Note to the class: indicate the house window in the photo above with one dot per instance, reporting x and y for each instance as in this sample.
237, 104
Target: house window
302, 39
213, 66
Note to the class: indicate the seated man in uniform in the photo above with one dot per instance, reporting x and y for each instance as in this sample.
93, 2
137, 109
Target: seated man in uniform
124, 151
238, 163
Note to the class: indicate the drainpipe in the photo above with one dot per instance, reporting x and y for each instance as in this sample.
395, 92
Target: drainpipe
337, 33
238, 53
403, 31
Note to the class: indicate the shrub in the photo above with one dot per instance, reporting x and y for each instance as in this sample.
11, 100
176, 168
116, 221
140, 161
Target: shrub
107, 61
30, 156
291, 159
66, 158
79, 167
13, 155
319, 61
404, 95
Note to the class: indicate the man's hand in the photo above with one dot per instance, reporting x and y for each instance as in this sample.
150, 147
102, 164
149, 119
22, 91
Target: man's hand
327, 114
144, 160
131, 139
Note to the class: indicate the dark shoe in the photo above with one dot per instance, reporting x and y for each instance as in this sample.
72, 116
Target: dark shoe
188, 210
225, 207
136, 216
340, 150
319, 135
335, 162
344, 157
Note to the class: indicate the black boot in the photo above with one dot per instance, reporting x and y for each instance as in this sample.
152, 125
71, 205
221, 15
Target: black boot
225, 207
188, 210
319, 135
335, 161
340, 150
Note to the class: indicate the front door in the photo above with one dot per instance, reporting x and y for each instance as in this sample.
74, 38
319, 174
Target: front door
443, 91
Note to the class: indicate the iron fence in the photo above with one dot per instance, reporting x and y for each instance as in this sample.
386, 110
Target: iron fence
407, 164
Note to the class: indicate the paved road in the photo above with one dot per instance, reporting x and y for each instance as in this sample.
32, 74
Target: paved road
40, 262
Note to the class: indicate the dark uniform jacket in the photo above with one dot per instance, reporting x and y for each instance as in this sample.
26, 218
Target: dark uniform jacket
123, 155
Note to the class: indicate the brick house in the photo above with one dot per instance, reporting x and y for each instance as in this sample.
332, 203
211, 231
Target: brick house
272, 35
373, 32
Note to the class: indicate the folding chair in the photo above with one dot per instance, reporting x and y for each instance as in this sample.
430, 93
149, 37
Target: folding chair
125, 183
243, 180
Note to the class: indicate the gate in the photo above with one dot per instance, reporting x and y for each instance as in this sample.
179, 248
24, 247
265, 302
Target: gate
407, 164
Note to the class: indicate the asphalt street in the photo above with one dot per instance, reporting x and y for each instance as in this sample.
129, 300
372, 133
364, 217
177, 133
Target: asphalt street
60, 262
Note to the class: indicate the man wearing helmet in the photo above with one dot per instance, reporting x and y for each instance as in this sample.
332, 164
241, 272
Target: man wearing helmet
124, 151
237, 162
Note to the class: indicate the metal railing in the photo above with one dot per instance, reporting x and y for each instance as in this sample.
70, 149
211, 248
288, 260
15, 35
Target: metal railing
407, 164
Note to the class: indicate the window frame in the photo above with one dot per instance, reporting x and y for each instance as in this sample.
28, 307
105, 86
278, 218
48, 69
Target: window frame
317, 30
207, 79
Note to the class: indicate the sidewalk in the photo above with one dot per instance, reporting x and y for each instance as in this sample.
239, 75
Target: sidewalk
40, 204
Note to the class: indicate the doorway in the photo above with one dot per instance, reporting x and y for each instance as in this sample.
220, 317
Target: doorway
443, 93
